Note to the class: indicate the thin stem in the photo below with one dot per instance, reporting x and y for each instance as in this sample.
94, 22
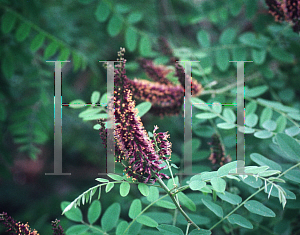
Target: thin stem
187, 228
162, 184
146, 208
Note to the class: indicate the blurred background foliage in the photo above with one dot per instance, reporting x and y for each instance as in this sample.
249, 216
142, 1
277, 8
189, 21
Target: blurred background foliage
86, 31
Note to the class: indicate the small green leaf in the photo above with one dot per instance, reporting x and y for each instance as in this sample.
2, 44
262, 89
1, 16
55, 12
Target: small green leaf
263, 134
203, 38
293, 175
228, 36
110, 217
121, 228
294, 116
199, 104
94, 211
250, 108
255, 40
186, 201
253, 182
8, 22
259, 56
224, 170
102, 11
251, 120
206, 115
266, 115
217, 107
145, 46
263, 161
153, 194
292, 131
131, 38
239, 54
134, 17
143, 108
256, 91
269, 125
216, 209
165, 204
200, 232
109, 187
135, 208
281, 55
77, 104
124, 189
77, 229
144, 189
230, 198
64, 54
114, 26
89, 112
95, 97
115, 177
22, 32
196, 185
289, 145
218, 184
50, 50
255, 169
95, 116
169, 229
240, 220
259, 208
146, 220
73, 214
76, 61
103, 100
222, 59
226, 126
102, 180
229, 115
37, 42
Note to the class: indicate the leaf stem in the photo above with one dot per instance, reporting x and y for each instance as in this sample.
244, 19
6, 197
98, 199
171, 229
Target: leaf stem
162, 184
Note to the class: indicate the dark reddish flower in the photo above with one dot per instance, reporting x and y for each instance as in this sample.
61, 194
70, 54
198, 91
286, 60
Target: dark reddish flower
57, 228
217, 156
14, 227
157, 73
166, 98
288, 10
161, 139
133, 145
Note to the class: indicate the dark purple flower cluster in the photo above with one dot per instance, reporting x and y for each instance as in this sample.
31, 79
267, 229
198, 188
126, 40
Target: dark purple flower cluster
217, 156
133, 145
57, 228
161, 139
166, 98
288, 10
14, 227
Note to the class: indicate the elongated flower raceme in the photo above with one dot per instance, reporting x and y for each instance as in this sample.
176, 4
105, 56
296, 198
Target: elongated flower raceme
166, 98
133, 145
